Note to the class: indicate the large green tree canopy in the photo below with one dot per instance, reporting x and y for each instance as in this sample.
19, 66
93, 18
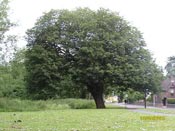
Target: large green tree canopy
98, 49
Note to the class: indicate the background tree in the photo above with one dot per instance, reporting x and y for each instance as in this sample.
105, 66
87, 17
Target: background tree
7, 42
10, 81
12, 77
170, 67
97, 49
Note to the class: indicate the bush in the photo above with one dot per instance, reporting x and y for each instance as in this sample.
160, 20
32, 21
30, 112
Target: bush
134, 96
7, 104
171, 100
76, 103
81, 104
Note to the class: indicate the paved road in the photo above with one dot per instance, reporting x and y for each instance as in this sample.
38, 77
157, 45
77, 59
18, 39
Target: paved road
138, 108
152, 113
131, 106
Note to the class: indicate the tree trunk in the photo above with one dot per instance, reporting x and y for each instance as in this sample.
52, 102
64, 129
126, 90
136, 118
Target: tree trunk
98, 98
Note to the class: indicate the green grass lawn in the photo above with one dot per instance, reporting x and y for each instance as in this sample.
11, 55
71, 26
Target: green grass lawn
82, 120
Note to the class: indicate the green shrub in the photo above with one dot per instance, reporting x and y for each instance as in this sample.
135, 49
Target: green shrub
81, 104
150, 99
171, 100
134, 96
75, 103
7, 104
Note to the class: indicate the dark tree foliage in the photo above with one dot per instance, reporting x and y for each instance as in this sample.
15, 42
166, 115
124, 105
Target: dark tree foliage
12, 82
98, 50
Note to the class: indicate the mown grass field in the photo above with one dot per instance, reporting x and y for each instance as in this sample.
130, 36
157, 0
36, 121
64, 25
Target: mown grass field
77, 115
82, 120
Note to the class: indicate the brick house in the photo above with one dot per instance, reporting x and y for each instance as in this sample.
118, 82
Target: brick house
168, 91
168, 87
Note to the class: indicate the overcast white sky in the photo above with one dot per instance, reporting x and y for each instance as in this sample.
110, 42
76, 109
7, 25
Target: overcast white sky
154, 18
